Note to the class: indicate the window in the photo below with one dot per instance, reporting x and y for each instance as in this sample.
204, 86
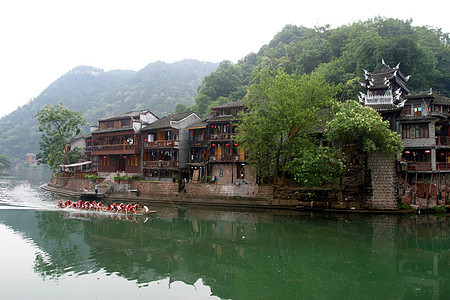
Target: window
105, 162
132, 161
415, 131
406, 111
417, 110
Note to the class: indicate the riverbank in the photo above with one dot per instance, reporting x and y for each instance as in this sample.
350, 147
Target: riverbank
209, 195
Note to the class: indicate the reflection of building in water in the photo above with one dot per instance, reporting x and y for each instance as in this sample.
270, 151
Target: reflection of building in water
424, 268
31, 159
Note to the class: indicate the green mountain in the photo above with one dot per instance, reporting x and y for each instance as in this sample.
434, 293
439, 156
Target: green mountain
341, 54
96, 93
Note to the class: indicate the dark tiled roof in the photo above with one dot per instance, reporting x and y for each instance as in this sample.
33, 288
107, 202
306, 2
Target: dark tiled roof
130, 114
383, 73
125, 128
199, 124
229, 105
165, 121
438, 99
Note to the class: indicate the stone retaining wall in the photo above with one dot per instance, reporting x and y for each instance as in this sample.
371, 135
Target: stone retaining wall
384, 183
74, 184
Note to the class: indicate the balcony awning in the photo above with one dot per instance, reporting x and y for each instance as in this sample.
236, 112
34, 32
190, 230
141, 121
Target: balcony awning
76, 165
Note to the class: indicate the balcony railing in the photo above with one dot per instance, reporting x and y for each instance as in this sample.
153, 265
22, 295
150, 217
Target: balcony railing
161, 144
442, 140
442, 166
226, 158
222, 136
419, 166
114, 149
159, 163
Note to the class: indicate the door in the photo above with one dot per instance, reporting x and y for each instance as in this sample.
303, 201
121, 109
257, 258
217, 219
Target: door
121, 165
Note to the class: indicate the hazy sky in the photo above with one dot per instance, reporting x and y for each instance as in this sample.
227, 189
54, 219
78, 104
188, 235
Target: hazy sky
42, 40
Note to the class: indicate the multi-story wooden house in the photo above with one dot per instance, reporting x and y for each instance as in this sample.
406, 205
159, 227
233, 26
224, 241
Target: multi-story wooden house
116, 143
166, 145
213, 150
420, 118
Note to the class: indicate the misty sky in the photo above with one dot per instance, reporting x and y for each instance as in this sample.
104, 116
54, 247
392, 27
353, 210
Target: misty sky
42, 40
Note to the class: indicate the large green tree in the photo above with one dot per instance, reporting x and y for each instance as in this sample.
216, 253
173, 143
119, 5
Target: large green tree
357, 131
59, 126
284, 112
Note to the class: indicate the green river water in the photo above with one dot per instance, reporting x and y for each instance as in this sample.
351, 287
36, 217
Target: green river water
201, 253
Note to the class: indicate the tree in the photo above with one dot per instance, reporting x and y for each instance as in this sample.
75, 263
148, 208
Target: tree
59, 127
5, 162
283, 113
226, 81
357, 131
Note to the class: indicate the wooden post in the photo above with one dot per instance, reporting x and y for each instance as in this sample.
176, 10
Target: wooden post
429, 189
415, 190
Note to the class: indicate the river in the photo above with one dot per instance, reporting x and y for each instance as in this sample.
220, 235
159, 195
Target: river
202, 253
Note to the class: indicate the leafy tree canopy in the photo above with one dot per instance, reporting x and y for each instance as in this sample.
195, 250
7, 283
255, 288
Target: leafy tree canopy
59, 126
360, 128
340, 54
284, 110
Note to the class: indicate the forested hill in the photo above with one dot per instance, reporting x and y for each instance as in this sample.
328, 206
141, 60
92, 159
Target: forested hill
341, 54
96, 93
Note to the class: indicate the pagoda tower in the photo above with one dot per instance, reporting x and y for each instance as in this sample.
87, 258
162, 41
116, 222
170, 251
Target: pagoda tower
386, 88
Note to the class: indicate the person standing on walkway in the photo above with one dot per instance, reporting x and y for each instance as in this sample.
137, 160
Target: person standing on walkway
96, 189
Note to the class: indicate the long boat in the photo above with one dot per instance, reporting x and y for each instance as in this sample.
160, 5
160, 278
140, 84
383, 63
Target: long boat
118, 209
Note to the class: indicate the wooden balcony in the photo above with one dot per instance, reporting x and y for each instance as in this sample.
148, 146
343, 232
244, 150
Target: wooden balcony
115, 149
157, 164
221, 137
226, 158
165, 144
419, 166
442, 141
443, 166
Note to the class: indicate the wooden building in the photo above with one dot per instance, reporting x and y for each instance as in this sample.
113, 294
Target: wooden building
422, 120
166, 146
116, 143
213, 150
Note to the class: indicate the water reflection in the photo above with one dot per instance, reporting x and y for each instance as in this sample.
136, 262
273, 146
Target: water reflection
240, 254
243, 255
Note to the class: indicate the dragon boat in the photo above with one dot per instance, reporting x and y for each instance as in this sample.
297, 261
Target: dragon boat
112, 208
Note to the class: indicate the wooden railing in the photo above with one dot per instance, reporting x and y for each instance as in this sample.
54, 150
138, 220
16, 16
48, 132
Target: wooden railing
226, 157
222, 136
159, 163
442, 140
161, 144
419, 166
114, 149
441, 166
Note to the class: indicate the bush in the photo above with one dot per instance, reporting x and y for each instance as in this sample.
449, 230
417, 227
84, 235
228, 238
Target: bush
403, 206
439, 209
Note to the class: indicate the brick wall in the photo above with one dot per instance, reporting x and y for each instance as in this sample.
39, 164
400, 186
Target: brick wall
384, 181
